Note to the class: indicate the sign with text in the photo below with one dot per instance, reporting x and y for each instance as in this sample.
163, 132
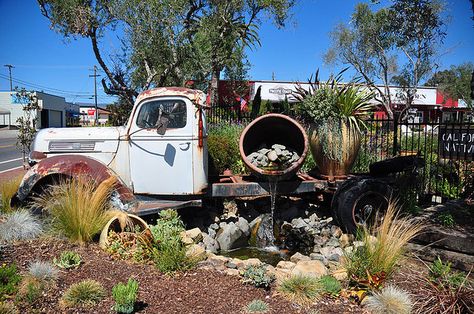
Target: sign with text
456, 142
91, 112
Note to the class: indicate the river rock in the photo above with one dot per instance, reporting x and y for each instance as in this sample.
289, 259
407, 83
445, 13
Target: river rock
218, 261
231, 237
242, 264
232, 272
340, 274
336, 231
272, 156
298, 223
210, 243
295, 258
311, 268
334, 242
279, 147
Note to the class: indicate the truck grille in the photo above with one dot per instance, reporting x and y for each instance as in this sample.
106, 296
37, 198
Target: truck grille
71, 146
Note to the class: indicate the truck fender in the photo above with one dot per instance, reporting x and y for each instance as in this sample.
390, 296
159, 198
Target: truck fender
68, 166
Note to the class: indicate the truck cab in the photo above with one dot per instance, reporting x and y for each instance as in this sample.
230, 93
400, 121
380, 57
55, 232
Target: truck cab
161, 151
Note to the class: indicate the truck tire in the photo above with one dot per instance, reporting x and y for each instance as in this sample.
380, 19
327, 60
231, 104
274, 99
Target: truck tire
359, 201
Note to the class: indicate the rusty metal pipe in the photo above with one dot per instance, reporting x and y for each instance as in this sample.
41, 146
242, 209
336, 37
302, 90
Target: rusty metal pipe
272, 129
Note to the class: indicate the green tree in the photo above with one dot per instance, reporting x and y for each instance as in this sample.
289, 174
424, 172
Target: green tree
27, 123
418, 28
393, 44
454, 83
367, 44
164, 42
119, 112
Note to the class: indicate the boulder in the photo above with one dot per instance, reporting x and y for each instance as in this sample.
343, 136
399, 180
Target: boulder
345, 240
243, 225
195, 234
231, 237
311, 268
286, 265
218, 261
232, 272
299, 257
242, 264
196, 252
210, 243
340, 274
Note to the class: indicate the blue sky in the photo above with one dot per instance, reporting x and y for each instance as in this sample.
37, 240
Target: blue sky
44, 61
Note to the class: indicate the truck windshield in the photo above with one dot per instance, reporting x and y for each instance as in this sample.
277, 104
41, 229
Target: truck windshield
174, 110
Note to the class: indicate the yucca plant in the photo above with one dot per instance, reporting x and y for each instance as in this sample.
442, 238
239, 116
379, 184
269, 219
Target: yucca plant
78, 207
8, 189
384, 245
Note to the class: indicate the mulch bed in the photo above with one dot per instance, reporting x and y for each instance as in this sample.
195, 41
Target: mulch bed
194, 291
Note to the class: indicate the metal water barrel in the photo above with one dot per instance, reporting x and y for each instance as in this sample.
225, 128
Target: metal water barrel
269, 129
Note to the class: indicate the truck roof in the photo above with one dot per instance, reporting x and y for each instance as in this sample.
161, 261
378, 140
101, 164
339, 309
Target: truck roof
196, 96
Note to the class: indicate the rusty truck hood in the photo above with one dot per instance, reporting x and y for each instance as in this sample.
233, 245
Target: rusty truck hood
78, 140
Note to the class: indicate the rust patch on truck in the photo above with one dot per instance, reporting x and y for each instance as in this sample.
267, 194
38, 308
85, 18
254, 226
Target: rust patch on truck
73, 166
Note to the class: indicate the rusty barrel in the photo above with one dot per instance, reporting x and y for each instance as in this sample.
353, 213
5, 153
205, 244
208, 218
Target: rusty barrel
268, 130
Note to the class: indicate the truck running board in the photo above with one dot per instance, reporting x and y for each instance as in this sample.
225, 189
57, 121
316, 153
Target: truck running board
150, 206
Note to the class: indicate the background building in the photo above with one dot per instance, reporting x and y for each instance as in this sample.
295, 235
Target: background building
54, 110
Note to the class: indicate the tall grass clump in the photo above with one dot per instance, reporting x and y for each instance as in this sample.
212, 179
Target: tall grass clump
257, 306
300, 289
78, 207
8, 189
169, 253
85, 293
384, 245
19, 225
390, 300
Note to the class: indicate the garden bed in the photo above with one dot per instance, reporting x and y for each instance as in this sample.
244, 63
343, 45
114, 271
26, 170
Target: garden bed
194, 291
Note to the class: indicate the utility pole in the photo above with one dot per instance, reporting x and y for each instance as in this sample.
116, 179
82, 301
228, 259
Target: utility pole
9, 66
95, 75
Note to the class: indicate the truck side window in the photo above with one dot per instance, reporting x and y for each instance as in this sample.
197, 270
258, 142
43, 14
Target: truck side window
174, 110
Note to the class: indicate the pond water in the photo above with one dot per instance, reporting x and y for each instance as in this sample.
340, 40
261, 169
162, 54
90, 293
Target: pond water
267, 255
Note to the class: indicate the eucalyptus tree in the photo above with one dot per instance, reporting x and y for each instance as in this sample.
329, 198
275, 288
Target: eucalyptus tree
454, 82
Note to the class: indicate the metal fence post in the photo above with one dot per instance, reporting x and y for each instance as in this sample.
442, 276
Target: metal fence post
395, 137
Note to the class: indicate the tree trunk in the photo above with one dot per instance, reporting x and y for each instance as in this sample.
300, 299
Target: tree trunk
213, 87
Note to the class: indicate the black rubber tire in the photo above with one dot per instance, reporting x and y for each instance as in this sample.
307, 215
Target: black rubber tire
359, 201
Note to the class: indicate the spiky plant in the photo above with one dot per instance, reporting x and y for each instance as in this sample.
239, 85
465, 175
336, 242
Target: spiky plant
8, 189
42, 270
390, 300
19, 225
300, 289
385, 248
85, 293
79, 208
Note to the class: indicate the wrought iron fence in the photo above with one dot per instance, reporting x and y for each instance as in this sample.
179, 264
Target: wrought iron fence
447, 148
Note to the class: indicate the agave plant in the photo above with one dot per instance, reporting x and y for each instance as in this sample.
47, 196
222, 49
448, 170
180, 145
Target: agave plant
334, 100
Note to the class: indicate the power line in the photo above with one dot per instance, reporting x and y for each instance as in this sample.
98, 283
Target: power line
55, 90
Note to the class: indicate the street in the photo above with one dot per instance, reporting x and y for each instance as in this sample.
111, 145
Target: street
11, 162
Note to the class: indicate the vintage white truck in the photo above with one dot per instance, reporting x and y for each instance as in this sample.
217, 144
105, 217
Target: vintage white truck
160, 160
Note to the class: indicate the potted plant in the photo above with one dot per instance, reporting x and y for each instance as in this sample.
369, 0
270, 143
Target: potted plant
335, 113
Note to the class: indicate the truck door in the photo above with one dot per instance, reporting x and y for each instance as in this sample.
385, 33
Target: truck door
162, 163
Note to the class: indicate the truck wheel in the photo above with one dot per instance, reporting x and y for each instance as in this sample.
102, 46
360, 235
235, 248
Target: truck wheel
359, 202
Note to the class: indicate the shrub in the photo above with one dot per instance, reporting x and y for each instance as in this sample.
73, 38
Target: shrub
9, 279
79, 209
223, 148
256, 306
68, 259
441, 274
330, 285
257, 275
300, 289
7, 190
389, 300
125, 296
19, 225
8, 308
169, 253
446, 219
380, 254
43, 271
85, 293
